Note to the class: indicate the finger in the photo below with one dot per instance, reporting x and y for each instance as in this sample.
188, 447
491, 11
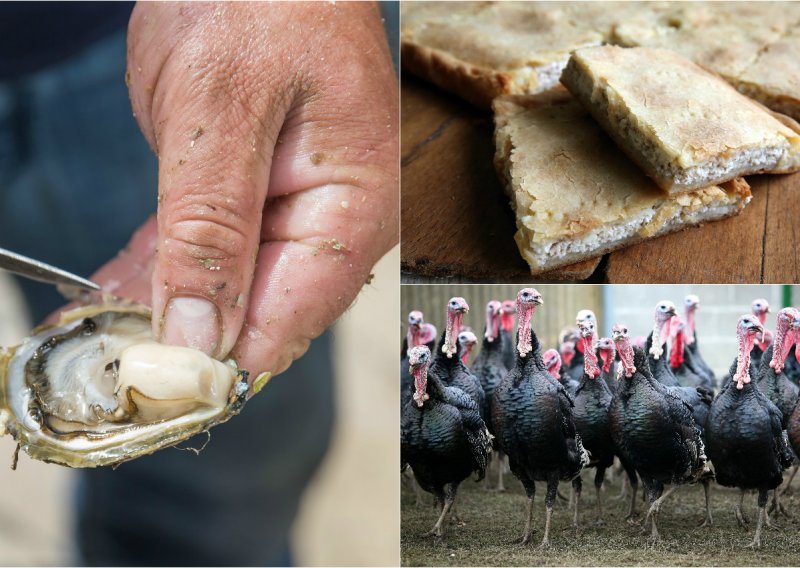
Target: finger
315, 257
299, 291
127, 275
130, 262
214, 167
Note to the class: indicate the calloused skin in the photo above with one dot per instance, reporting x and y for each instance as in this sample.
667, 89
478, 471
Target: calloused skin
276, 130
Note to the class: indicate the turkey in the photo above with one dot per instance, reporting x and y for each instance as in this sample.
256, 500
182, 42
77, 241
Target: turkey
608, 353
744, 436
467, 341
793, 431
772, 380
552, 361
442, 436
490, 368
759, 308
532, 418
507, 332
691, 304
592, 401
685, 371
566, 350
571, 334
447, 363
419, 333
698, 398
653, 429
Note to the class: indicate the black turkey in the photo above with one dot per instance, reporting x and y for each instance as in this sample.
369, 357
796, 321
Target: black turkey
419, 333
507, 323
532, 418
691, 303
442, 436
552, 362
744, 436
608, 354
447, 362
773, 382
467, 340
653, 429
490, 368
592, 401
680, 358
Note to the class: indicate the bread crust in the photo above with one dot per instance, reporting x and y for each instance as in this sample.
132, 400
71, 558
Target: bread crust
476, 85
686, 127
547, 151
748, 44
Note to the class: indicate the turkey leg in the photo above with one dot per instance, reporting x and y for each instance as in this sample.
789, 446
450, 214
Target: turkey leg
500, 465
526, 538
655, 508
762, 504
788, 487
633, 480
447, 503
739, 512
599, 476
777, 507
552, 489
577, 487
709, 521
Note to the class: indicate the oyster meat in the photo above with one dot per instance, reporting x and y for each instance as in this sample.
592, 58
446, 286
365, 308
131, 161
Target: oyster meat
98, 389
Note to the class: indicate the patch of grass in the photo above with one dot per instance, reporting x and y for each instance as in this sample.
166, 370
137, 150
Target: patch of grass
492, 524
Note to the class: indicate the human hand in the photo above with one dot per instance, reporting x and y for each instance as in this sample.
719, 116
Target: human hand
276, 129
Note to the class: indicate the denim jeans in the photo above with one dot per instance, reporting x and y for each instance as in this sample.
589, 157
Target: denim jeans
76, 179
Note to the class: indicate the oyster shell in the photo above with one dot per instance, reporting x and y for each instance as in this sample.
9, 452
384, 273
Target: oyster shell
98, 389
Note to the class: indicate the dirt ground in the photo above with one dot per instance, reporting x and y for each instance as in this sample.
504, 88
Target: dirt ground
492, 524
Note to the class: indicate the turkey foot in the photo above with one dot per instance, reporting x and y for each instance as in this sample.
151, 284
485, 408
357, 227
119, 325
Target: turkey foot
788, 489
623, 491
757, 540
738, 510
526, 539
446, 502
776, 506
546, 541
709, 520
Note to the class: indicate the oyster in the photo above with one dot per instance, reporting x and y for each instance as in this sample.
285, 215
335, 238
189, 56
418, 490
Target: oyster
98, 389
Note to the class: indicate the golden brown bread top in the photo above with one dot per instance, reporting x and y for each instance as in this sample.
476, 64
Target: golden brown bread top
503, 36
777, 68
690, 115
568, 177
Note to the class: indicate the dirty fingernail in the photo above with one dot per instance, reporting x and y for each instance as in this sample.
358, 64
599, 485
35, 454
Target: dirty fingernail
192, 322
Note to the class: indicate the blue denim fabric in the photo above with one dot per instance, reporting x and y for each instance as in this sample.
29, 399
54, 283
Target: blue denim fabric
76, 179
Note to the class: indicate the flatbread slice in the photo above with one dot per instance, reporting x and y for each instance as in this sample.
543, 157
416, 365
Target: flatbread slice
479, 50
773, 78
685, 127
575, 195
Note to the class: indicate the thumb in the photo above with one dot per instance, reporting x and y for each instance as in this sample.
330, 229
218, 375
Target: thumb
211, 196
214, 165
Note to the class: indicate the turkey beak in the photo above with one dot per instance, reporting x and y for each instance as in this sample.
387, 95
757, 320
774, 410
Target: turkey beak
615, 335
538, 300
671, 311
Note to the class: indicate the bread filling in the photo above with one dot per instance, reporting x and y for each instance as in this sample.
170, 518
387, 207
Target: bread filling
649, 223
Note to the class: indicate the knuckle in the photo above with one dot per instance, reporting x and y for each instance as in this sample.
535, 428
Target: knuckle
206, 242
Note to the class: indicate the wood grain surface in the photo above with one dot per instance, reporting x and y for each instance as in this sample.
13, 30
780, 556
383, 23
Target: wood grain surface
457, 224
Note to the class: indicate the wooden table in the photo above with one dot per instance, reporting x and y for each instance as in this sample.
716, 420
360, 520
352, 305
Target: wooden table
457, 223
